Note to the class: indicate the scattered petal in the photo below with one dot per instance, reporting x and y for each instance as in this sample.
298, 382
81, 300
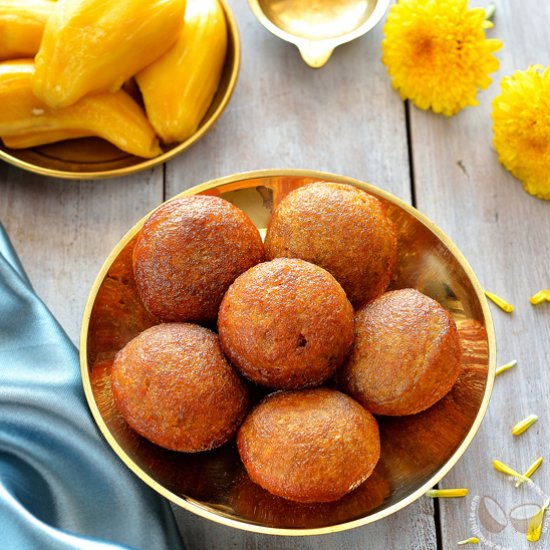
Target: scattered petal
540, 296
500, 302
471, 540
535, 523
505, 469
447, 493
505, 367
532, 469
524, 424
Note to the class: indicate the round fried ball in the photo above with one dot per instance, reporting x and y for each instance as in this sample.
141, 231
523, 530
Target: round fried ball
406, 354
286, 324
418, 444
340, 228
173, 386
188, 253
309, 446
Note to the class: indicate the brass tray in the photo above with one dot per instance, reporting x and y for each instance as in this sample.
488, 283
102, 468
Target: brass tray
417, 451
94, 158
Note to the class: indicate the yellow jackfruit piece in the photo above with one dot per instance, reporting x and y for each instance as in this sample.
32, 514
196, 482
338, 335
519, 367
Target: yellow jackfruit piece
92, 46
115, 117
179, 87
22, 23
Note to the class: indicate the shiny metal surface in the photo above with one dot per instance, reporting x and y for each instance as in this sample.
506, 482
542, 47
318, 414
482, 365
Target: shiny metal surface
417, 451
316, 27
93, 158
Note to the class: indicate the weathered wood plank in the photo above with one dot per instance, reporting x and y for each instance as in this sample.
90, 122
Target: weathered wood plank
505, 234
345, 119
412, 528
64, 230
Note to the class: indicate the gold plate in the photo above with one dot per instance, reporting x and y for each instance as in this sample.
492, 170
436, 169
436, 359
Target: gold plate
417, 451
316, 27
94, 158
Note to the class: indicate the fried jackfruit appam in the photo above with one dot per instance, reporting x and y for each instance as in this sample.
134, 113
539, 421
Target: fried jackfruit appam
406, 355
418, 444
173, 386
311, 445
286, 324
340, 228
188, 253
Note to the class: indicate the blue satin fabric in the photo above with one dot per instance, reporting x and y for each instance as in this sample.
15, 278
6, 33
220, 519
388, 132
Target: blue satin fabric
61, 486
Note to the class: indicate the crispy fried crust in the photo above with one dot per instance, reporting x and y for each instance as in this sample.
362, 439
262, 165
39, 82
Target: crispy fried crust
418, 444
188, 253
406, 355
310, 445
173, 386
340, 228
286, 324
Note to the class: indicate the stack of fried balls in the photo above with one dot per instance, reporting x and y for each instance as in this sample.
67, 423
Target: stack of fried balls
306, 318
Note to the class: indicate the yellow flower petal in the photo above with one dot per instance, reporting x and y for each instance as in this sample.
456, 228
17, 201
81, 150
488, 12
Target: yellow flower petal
505, 367
524, 424
535, 523
437, 54
540, 296
500, 302
521, 128
532, 469
505, 469
471, 540
447, 493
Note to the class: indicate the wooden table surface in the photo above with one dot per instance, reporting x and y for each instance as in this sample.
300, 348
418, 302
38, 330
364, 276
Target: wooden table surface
346, 119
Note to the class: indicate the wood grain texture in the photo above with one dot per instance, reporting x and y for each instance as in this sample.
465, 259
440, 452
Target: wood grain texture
64, 230
411, 529
505, 234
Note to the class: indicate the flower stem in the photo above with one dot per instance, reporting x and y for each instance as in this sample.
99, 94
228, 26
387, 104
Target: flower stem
490, 12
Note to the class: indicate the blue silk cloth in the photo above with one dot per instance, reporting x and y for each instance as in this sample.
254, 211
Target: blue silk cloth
61, 486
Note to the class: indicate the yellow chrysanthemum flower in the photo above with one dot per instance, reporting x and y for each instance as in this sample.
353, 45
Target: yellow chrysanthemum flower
437, 54
521, 127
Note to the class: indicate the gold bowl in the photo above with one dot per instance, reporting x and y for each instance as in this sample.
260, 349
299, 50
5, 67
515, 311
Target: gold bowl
94, 158
316, 27
417, 451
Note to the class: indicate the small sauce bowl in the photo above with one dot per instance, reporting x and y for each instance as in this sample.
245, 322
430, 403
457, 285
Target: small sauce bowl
316, 27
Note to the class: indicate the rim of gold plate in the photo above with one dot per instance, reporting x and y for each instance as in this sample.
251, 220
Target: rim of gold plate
219, 517
144, 164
